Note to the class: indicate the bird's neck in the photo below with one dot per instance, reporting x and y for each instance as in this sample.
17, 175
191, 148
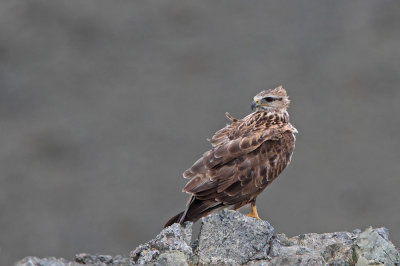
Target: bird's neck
278, 115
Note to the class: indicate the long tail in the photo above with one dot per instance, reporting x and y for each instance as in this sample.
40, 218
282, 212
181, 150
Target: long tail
174, 219
194, 211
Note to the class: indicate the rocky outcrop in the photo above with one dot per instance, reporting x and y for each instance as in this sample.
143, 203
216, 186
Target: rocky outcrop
233, 238
79, 260
230, 238
171, 245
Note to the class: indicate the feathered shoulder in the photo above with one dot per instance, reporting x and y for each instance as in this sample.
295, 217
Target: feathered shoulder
240, 137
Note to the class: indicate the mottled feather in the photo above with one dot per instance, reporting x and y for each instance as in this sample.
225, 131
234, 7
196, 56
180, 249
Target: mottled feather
246, 156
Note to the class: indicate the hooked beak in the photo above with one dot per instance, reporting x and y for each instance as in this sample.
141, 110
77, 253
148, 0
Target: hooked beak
253, 105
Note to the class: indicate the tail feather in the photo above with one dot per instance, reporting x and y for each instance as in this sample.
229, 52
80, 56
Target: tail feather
195, 210
174, 219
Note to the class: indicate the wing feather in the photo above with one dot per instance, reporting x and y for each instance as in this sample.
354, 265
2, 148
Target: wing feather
246, 157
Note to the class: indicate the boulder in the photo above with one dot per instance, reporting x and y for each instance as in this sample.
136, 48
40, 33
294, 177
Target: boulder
230, 238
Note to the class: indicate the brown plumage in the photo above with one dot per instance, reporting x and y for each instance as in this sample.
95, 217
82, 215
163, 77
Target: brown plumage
246, 157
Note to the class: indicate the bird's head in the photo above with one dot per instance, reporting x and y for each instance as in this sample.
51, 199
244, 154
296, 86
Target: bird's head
271, 100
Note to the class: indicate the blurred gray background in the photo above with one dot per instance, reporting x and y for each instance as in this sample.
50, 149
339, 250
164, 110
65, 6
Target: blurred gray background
103, 105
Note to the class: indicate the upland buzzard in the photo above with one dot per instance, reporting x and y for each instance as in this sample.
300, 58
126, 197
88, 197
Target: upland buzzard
246, 157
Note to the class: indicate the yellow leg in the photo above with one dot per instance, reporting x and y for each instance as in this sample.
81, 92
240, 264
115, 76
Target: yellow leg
253, 213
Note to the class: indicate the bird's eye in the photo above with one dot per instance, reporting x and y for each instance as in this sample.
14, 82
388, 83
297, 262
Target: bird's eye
270, 99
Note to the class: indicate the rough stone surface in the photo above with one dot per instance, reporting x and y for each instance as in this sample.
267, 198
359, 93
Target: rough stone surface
83, 258
174, 237
50, 261
88, 259
372, 247
232, 235
230, 238
177, 258
332, 247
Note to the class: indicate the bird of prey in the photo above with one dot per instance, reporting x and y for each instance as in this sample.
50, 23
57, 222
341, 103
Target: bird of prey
246, 156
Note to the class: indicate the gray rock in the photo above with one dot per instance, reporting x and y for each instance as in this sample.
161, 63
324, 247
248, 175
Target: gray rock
290, 260
218, 261
310, 249
230, 238
332, 247
341, 248
176, 258
50, 261
383, 232
275, 247
231, 235
172, 238
88, 259
83, 258
372, 247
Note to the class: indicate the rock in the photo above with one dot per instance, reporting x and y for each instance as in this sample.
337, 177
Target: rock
341, 248
172, 238
372, 247
332, 247
311, 249
383, 232
230, 238
83, 258
88, 259
231, 235
176, 258
50, 261
290, 260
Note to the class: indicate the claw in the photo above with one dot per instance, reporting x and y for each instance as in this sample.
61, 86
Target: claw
253, 212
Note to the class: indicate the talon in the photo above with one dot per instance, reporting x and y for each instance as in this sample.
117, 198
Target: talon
253, 212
